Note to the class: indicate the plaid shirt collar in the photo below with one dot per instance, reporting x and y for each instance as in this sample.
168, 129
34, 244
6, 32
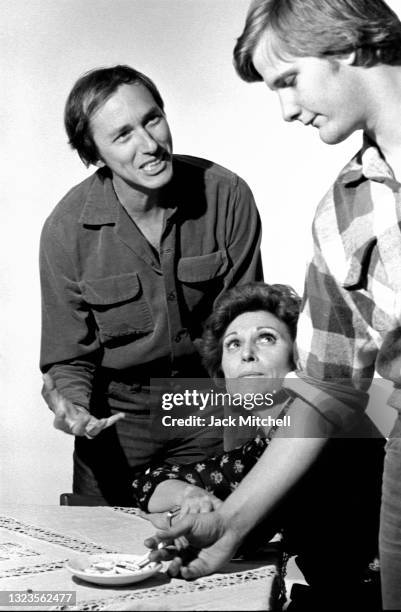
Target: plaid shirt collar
368, 164
358, 234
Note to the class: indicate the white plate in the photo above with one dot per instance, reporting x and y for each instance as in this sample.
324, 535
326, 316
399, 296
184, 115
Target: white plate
81, 568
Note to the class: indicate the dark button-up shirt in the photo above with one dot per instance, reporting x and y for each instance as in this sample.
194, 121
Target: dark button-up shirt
111, 302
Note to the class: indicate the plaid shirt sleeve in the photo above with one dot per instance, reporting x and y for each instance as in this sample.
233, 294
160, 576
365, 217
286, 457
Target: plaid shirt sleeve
335, 354
350, 321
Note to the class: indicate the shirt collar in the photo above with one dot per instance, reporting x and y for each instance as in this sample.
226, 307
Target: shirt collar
101, 204
369, 163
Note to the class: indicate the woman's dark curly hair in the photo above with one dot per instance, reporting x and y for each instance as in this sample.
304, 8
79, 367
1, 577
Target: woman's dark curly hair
279, 300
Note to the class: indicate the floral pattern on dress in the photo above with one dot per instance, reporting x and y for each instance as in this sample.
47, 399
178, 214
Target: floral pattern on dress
216, 477
238, 466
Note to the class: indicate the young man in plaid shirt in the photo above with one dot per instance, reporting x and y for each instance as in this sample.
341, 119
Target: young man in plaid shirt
336, 65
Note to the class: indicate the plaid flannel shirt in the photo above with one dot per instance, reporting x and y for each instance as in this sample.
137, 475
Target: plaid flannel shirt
350, 320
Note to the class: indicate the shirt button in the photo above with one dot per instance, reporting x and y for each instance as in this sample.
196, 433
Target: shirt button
171, 296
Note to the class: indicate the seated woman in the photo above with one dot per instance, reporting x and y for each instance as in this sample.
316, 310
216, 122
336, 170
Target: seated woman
335, 506
249, 335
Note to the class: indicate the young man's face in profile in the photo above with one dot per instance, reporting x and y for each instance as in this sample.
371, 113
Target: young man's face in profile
325, 94
133, 138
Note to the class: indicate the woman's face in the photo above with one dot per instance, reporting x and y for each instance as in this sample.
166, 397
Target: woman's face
257, 349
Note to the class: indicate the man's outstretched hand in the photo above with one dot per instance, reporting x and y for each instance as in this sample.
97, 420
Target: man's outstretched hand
69, 417
203, 544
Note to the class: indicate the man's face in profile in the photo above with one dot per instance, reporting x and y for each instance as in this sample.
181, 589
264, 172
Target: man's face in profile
318, 92
133, 138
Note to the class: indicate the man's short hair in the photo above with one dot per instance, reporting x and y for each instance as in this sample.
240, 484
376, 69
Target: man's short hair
279, 300
89, 93
320, 28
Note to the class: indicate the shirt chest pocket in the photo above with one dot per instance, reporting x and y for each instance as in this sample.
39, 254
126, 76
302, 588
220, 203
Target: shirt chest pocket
202, 278
119, 307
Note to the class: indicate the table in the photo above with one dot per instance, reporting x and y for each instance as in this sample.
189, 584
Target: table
36, 541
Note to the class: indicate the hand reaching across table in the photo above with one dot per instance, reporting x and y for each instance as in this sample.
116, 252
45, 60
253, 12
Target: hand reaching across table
204, 542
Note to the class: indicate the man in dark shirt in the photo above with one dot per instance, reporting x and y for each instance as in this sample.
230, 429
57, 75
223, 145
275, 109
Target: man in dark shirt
132, 261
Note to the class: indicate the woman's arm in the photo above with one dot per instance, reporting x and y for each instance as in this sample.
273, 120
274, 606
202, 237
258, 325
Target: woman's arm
172, 493
175, 486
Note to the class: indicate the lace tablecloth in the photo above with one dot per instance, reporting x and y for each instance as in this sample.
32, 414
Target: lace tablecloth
35, 543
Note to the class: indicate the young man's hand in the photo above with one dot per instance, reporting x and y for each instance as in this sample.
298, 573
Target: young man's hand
69, 417
203, 544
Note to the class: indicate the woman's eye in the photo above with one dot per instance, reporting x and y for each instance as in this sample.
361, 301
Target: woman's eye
267, 338
231, 345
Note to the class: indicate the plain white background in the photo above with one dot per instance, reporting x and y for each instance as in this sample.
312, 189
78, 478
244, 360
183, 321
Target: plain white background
185, 46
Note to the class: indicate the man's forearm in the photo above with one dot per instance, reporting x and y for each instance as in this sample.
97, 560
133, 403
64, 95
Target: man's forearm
281, 466
287, 458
